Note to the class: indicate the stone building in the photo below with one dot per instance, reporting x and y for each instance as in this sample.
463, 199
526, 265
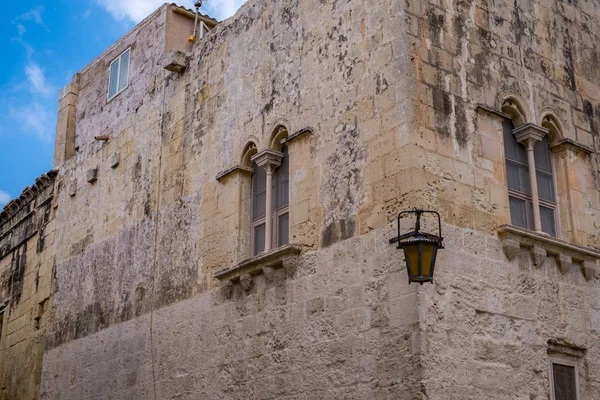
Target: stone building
217, 222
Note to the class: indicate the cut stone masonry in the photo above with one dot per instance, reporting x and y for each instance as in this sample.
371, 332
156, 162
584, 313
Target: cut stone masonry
542, 245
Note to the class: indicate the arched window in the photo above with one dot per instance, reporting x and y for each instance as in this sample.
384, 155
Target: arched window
524, 146
270, 219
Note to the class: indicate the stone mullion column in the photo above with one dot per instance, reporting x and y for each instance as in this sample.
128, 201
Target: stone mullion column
269, 207
269, 160
535, 198
528, 135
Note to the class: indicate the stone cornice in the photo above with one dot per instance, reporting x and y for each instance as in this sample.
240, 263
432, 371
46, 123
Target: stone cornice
542, 245
237, 168
283, 257
490, 110
28, 194
296, 135
570, 144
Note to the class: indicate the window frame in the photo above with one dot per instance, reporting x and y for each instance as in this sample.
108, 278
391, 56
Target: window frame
275, 213
565, 361
527, 197
118, 60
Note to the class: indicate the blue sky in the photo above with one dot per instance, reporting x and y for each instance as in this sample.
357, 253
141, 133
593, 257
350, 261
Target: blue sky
44, 42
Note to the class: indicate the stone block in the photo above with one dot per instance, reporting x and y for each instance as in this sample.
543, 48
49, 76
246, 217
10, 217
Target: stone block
511, 248
589, 269
91, 175
115, 160
538, 256
174, 61
563, 262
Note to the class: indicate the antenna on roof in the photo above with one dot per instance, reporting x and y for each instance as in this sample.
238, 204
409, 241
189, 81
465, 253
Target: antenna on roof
197, 4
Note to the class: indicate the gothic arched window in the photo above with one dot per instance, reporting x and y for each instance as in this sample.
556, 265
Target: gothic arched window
525, 146
270, 219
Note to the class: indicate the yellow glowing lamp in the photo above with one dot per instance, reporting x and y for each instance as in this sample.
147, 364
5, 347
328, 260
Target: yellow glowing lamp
191, 39
420, 248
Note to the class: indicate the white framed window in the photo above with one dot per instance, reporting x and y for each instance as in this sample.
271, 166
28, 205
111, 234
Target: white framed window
203, 29
564, 378
118, 75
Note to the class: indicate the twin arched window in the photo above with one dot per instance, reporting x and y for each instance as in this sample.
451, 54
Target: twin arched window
270, 219
527, 200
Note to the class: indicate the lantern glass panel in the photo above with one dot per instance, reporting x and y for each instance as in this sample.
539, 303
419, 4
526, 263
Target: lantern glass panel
411, 253
427, 253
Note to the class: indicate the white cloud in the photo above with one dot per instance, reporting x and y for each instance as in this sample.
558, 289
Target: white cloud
225, 8
33, 15
4, 198
37, 79
35, 118
136, 10
21, 28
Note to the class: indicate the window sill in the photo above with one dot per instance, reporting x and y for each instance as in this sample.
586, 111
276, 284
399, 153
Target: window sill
114, 96
283, 257
542, 245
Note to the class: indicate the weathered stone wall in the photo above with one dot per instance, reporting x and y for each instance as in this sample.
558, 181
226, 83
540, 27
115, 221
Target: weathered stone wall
471, 53
487, 322
389, 91
344, 327
26, 261
163, 198
151, 231
97, 117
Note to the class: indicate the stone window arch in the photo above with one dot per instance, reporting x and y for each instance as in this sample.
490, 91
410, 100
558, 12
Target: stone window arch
529, 171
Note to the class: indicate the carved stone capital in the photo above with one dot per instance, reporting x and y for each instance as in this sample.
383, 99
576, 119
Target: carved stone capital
268, 158
529, 134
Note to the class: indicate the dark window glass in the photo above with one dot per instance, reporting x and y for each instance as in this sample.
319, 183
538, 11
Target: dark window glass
283, 229
512, 149
542, 155
283, 180
545, 186
548, 223
518, 215
518, 177
259, 192
564, 382
259, 238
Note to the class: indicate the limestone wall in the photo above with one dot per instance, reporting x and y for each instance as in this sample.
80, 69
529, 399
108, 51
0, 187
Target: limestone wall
26, 262
386, 94
152, 230
344, 327
480, 53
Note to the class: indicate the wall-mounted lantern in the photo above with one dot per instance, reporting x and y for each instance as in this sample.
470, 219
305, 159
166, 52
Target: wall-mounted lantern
420, 248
